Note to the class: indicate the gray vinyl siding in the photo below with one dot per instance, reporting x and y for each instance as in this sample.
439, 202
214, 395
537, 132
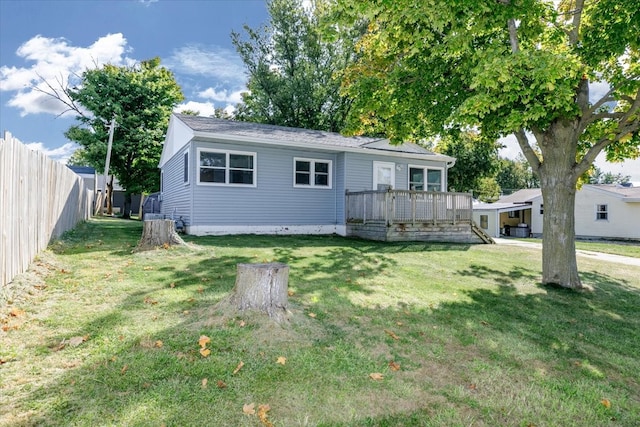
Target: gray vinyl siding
274, 201
176, 195
359, 170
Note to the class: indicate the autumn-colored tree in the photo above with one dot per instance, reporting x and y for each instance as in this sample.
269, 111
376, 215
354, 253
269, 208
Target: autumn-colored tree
562, 76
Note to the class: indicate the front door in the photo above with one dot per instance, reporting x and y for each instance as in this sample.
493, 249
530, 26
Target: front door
384, 175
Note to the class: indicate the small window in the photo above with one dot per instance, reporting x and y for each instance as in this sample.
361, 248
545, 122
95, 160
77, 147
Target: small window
312, 173
541, 209
484, 221
602, 213
226, 167
422, 178
186, 168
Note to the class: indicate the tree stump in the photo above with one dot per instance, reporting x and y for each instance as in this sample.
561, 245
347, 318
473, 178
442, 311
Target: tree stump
159, 232
262, 287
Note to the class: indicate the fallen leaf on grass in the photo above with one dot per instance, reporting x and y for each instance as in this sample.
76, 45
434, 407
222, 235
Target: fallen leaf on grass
172, 285
242, 324
204, 382
606, 403
472, 387
16, 312
204, 340
158, 344
205, 352
291, 293
376, 376
76, 341
312, 315
248, 408
394, 366
124, 369
147, 268
262, 415
281, 360
221, 384
149, 300
240, 365
391, 334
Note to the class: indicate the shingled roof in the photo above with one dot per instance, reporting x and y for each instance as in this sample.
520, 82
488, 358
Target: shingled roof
282, 133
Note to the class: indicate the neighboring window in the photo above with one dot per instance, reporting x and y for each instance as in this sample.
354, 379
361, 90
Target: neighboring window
602, 212
312, 173
422, 179
514, 214
541, 209
226, 167
186, 168
484, 221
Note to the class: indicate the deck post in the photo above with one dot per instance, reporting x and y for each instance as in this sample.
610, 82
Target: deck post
364, 208
413, 207
454, 208
435, 207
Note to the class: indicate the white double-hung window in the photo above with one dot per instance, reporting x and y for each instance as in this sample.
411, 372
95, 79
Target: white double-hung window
311, 173
422, 178
218, 167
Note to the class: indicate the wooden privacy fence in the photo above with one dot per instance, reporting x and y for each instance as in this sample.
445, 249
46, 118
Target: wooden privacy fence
39, 200
404, 206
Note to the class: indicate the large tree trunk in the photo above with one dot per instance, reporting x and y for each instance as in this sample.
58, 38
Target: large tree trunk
158, 233
558, 184
262, 287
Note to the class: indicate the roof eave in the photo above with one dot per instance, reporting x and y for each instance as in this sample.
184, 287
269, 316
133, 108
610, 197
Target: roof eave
210, 136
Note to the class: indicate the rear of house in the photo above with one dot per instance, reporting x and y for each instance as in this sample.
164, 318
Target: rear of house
226, 177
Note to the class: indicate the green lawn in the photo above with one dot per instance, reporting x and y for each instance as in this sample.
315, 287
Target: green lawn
461, 335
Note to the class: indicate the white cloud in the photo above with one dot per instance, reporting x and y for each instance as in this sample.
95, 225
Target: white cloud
60, 154
216, 62
224, 95
205, 109
57, 62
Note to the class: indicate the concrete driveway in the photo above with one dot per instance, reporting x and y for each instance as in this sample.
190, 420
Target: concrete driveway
588, 254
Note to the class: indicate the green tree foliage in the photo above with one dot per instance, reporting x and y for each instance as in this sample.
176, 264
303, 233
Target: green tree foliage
521, 67
292, 70
476, 158
488, 190
141, 99
78, 158
597, 176
515, 175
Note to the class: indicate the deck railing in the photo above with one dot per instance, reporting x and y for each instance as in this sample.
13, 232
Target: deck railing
405, 206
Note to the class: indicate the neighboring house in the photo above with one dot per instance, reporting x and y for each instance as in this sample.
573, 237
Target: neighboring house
90, 178
601, 211
227, 177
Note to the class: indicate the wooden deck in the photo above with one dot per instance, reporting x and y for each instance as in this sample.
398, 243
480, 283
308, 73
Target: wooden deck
403, 215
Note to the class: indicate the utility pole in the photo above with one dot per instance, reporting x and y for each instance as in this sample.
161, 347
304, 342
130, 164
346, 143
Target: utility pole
112, 128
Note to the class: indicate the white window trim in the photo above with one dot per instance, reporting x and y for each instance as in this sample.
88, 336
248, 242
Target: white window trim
390, 165
186, 153
312, 172
228, 152
606, 211
425, 168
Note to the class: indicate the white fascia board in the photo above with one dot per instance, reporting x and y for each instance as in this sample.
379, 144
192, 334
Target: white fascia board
333, 148
178, 136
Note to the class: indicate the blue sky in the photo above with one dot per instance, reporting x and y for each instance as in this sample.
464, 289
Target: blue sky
57, 38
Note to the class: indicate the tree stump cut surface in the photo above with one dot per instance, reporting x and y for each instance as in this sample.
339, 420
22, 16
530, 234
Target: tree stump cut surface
159, 232
262, 287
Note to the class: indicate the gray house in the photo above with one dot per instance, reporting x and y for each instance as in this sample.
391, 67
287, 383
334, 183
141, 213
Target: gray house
227, 177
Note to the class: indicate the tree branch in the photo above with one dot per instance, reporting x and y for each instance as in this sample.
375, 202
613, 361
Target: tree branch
574, 34
528, 152
62, 95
